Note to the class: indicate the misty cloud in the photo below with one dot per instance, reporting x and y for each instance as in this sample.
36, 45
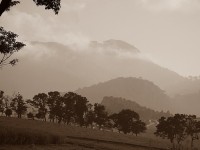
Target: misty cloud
171, 5
46, 27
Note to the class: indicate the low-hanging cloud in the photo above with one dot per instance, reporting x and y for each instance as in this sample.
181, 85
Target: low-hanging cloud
170, 5
45, 27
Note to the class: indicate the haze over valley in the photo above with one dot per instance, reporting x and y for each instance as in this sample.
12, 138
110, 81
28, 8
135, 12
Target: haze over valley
100, 74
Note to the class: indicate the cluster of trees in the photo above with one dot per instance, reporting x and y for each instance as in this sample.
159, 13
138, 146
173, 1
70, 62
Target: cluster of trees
71, 108
177, 128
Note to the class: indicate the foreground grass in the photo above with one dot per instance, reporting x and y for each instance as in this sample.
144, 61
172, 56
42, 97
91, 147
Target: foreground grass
22, 131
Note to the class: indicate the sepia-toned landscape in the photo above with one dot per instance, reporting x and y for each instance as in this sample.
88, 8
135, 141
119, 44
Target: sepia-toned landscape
99, 75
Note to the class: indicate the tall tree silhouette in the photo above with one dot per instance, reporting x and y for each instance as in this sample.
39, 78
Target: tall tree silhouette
52, 98
40, 102
89, 116
8, 46
68, 110
18, 105
192, 128
2, 103
101, 116
80, 108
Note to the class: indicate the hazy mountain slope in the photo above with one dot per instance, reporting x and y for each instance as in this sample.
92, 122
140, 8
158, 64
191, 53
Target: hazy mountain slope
141, 91
187, 86
188, 103
48, 66
115, 105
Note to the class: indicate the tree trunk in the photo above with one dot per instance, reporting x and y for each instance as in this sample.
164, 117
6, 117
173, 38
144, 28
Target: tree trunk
192, 140
4, 6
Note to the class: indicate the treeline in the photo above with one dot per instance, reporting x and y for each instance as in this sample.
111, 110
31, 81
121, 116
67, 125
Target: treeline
71, 109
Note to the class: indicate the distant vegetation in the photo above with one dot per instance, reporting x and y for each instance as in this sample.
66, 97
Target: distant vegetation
116, 104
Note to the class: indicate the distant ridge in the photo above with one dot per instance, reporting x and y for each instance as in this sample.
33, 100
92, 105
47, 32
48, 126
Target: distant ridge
139, 90
115, 44
116, 104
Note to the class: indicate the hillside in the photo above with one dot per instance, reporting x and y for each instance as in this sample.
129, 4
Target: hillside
187, 103
65, 67
73, 137
139, 90
115, 105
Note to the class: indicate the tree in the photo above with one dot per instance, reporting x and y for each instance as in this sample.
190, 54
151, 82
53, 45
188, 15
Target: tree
8, 46
68, 109
5, 5
125, 120
8, 112
172, 128
30, 115
51, 102
40, 102
138, 127
58, 109
192, 128
6, 105
89, 116
18, 105
2, 103
80, 108
101, 115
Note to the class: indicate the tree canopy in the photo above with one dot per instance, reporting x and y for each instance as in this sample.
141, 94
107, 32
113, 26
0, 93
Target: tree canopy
8, 46
8, 43
5, 5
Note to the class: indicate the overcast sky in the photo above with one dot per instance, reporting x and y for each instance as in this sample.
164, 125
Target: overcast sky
167, 31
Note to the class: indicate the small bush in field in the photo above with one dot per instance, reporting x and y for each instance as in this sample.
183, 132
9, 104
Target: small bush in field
30, 115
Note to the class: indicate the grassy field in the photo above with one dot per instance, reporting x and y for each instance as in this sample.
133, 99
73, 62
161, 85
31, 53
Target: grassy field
41, 135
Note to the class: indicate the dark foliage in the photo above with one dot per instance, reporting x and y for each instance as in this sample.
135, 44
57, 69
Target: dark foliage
128, 121
8, 112
177, 128
18, 105
101, 116
49, 4
40, 102
8, 46
30, 115
5, 5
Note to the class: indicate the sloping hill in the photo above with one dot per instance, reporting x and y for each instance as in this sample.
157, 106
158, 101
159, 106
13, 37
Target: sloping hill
24, 131
187, 103
141, 91
115, 105
64, 67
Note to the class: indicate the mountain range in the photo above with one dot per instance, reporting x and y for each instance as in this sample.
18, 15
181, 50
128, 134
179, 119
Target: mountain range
49, 66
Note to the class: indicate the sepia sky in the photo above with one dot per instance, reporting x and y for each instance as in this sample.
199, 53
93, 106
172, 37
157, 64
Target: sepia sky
167, 31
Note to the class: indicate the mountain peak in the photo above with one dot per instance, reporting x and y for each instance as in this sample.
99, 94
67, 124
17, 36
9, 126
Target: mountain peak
115, 44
